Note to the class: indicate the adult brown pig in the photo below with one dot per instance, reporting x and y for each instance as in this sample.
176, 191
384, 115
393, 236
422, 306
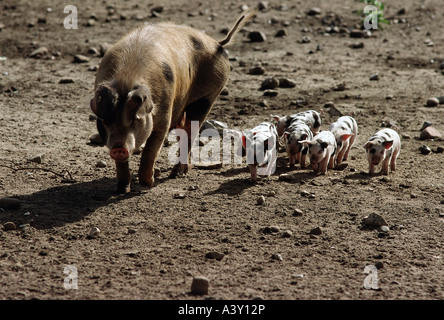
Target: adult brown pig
157, 77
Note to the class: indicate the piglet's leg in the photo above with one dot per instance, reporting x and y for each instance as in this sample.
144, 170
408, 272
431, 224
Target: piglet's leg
385, 166
149, 155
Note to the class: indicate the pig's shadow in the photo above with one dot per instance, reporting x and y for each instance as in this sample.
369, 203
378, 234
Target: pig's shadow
64, 204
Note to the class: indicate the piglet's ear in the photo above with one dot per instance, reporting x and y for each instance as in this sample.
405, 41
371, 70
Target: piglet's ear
387, 144
275, 117
137, 97
367, 145
324, 145
346, 136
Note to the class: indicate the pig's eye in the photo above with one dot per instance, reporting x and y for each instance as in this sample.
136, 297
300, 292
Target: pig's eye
373, 150
320, 151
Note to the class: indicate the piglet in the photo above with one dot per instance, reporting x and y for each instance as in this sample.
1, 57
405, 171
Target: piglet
311, 118
322, 150
384, 146
259, 146
345, 130
298, 131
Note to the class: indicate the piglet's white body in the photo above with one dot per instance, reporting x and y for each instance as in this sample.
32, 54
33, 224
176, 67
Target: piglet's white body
311, 118
345, 130
298, 131
260, 146
384, 146
322, 150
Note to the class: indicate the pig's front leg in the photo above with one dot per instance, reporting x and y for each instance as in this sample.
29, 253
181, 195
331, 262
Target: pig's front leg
303, 160
371, 167
292, 159
385, 165
123, 177
149, 155
323, 165
253, 172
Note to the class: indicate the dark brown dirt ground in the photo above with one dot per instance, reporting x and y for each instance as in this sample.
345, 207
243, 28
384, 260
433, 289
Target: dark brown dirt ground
152, 244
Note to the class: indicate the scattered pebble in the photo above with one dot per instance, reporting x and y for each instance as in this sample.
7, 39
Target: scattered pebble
306, 39
432, 102
316, 231
439, 149
297, 212
256, 70
287, 234
356, 33
257, 36
94, 232
277, 256
425, 150
214, 255
199, 285
374, 220
270, 229
37, 158
281, 33
40, 52
260, 200
374, 77
101, 164
357, 45
270, 93
179, 196
10, 203
79, 58
429, 133
286, 83
384, 229
9, 226
425, 125
66, 80
270, 83
314, 11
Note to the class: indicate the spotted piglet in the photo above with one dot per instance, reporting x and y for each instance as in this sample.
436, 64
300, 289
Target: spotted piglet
384, 146
322, 150
311, 118
259, 144
295, 133
345, 130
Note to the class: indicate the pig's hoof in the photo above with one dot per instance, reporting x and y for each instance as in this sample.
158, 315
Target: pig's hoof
122, 188
179, 170
148, 183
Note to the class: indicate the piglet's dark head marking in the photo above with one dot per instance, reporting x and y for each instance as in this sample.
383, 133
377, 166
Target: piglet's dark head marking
104, 103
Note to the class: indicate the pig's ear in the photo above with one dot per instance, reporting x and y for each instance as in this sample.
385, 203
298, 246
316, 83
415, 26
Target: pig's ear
275, 117
324, 145
304, 136
137, 97
346, 136
105, 97
367, 145
387, 144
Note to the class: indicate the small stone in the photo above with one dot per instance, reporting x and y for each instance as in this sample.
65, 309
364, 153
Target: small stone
384, 229
316, 231
256, 70
104, 47
425, 125
37, 158
287, 234
440, 149
96, 139
262, 5
101, 164
40, 52
286, 83
329, 104
432, 102
91, 22
425, 150
306, 39
179, 196
199, 285
356, 33
305, 193
429, 133
270, 83
281, 33
374, 220
441, 66
314, 11
277, 256
260, 200
297, 212
9, 226
257, 36
214, 255
79, 58
66, 80
374, 77
357, 45
93, 68
94, 232
270, 93
10, 203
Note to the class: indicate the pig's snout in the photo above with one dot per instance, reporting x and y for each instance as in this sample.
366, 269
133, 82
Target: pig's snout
119, 154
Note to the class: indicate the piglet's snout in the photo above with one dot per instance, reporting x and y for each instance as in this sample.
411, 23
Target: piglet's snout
119, 154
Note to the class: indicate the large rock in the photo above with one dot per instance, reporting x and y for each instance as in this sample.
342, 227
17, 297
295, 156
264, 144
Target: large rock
429, 133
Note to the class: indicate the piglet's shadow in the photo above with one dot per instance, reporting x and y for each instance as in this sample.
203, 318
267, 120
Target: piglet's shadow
64, 204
